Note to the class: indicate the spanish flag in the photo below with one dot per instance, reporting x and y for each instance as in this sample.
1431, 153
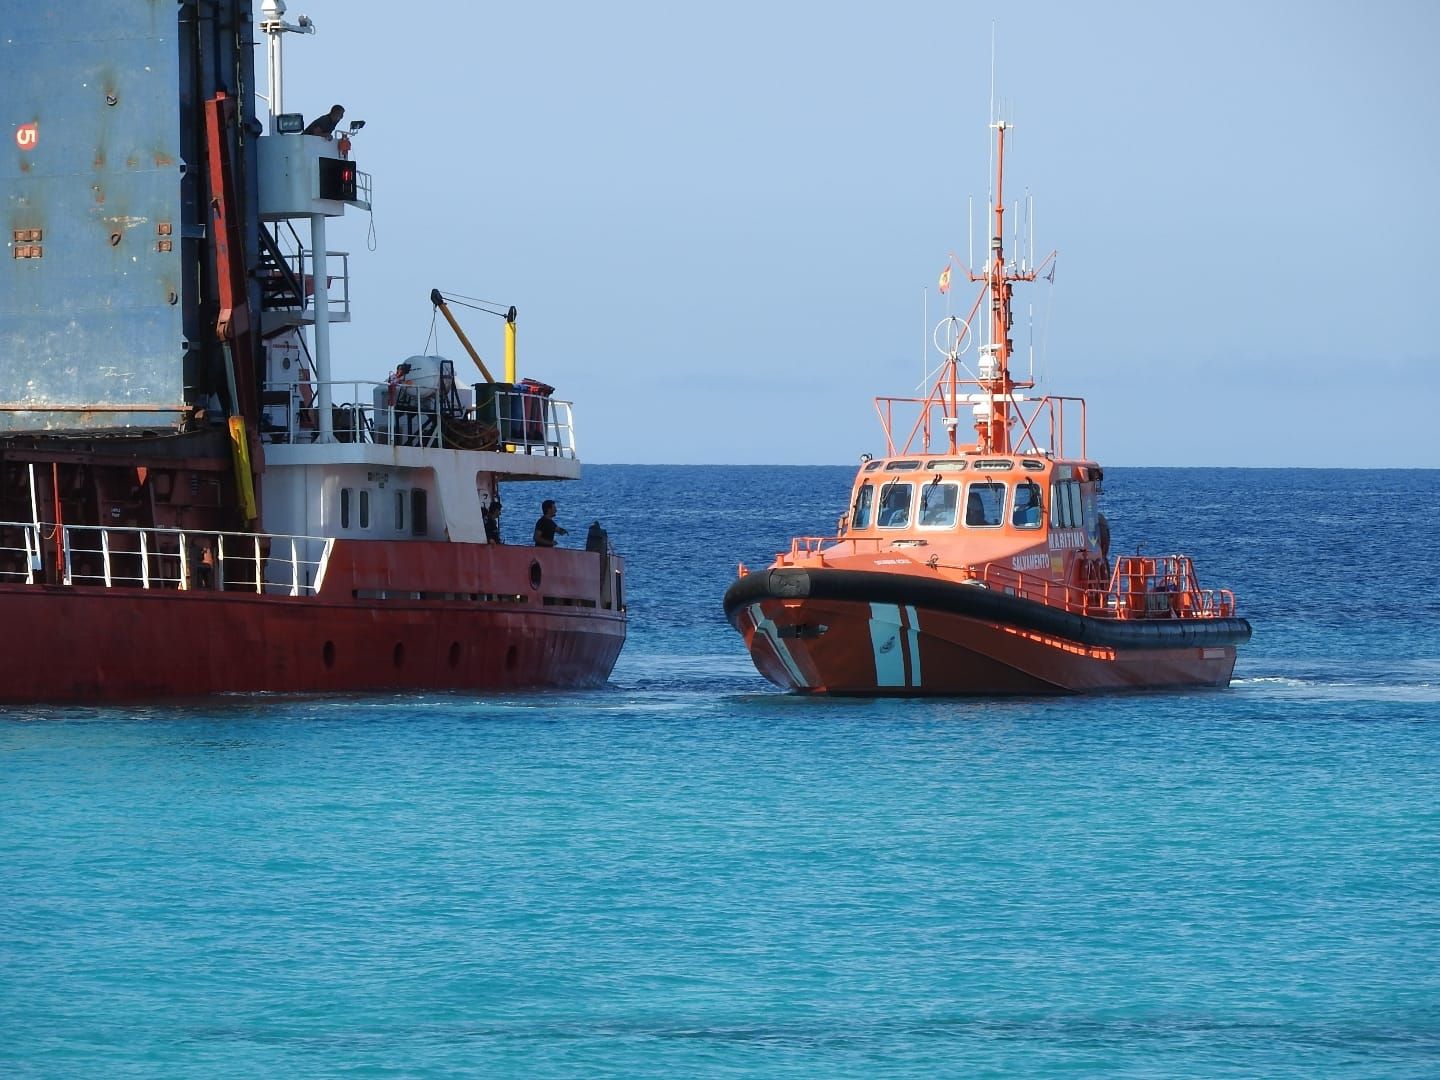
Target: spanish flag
945, 279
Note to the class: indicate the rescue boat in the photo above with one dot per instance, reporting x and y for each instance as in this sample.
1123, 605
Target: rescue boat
981, 567
192, 500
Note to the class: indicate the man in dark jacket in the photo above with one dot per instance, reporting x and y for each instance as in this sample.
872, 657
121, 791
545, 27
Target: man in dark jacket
545, 528
325, 125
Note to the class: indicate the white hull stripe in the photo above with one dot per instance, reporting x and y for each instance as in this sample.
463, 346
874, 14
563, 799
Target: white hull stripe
782, 651
912, 644
885, 644
895, 643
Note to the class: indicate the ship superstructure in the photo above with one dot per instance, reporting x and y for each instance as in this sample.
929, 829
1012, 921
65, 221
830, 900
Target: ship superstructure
190, 501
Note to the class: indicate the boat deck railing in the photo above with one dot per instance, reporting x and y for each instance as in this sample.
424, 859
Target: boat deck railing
1140, 587
124, 557
1053, 424
503, 420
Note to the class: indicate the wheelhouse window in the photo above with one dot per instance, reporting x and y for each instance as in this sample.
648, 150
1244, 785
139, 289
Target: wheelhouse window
860, 514
419, 513
1065, 505
345, 496
895, 506
985, 505
1027, 510
937, 505
364, 502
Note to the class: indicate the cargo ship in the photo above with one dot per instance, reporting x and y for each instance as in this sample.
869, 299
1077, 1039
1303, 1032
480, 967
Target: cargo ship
191, 502
981, 567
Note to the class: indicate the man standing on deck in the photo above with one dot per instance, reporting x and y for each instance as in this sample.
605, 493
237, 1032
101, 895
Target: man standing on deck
545, 528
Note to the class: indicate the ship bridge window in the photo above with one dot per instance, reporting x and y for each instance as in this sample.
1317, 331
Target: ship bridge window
895, 505
994, 465
901, 466
860, 513
1065, 505
985, 505
419, 513
1033, 465
345, 496
946, 464
937, 505
364, 502
1027, 511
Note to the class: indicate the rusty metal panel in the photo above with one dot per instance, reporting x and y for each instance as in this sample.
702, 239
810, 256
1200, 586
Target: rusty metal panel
91, 328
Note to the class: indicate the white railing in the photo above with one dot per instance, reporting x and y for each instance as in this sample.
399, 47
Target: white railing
269, 563
337, 273
22, 561
413, 415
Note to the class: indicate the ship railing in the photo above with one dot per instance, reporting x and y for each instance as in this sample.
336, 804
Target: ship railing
1162, 586
22, 561
802, 547
337, 284
1053, 424
1036, 587
128, 557
364, 187
503, 420
1140, 587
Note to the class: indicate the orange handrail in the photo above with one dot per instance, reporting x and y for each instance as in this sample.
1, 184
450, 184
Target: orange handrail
1140, 586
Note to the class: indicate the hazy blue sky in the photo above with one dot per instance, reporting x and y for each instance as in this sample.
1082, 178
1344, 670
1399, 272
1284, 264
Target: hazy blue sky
717, 220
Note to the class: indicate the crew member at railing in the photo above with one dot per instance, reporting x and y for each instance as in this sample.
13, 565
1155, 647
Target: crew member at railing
325, 124
492, 522
205, 572
398, 378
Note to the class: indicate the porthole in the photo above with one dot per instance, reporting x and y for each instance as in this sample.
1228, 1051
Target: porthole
535, 574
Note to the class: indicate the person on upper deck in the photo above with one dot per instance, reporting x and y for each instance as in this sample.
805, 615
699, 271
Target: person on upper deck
492, 522
398, 380
325, 125
546, 527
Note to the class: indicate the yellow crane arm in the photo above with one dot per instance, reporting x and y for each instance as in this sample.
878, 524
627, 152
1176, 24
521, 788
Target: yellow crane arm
439, 302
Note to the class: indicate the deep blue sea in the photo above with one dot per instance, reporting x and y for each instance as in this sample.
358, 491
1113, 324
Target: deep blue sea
688, 873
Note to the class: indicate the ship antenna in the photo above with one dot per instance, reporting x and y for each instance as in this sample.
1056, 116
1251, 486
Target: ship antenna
274, 26
992, 425
1030, 225
992, 79
970, 245
924, 330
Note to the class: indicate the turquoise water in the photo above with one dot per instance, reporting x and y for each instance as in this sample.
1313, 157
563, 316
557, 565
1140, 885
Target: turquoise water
688, 874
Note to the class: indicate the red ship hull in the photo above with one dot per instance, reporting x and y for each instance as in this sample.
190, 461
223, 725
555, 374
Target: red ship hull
830, 645
411, 616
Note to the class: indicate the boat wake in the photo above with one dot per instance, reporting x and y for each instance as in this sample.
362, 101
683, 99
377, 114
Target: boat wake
1390, 686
